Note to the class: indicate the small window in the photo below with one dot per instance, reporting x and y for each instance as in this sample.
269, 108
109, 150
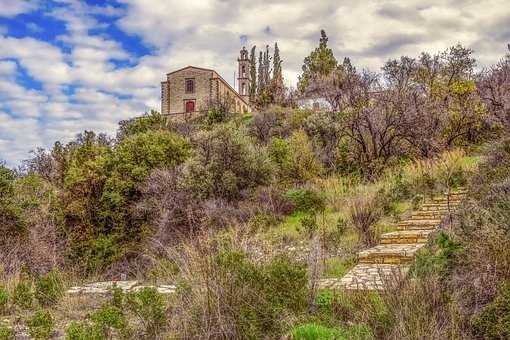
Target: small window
243, 71
243, 89
190, 85
190, 106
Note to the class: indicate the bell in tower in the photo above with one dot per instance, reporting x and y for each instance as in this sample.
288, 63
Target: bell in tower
243, 79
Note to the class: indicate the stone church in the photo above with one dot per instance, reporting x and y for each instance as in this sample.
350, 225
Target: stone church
192, 89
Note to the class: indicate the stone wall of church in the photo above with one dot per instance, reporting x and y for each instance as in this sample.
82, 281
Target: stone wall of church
177, 89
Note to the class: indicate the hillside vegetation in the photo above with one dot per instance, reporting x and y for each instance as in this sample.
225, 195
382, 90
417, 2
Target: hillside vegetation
244, 212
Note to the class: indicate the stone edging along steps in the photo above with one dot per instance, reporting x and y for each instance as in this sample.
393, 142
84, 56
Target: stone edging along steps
391, 259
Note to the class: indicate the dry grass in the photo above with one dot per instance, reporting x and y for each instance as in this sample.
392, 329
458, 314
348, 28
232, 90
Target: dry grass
364, 213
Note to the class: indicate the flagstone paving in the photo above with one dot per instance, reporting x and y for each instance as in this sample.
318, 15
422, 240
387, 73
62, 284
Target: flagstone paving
390, 261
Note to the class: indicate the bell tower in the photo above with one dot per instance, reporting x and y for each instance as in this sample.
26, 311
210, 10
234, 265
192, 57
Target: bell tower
243, 80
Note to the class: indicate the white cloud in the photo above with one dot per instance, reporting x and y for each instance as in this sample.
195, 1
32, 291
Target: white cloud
82, 86
11, 8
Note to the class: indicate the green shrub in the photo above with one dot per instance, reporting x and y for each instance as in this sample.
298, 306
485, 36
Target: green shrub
118, 297
225, 164
148, 305
295, 158
313, 331
307, 201
49, 288
6, 333
262, 221
4, 299
494, 321
22, 295
83, 331
40, 325
438, 258
110, 317
309, 224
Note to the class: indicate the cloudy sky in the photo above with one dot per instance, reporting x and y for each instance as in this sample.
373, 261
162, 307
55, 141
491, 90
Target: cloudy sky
71, 65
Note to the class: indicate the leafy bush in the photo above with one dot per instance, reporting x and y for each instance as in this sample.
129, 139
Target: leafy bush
84, 331
148, 305
494, 321
110, 317
40, 325
226, 164
22, 296
271, 293
436, 260
49, 288
307, 201
4, 300
6, 333
295, 158
313, 331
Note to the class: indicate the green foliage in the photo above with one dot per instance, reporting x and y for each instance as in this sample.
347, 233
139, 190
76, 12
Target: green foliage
494, 321
313, 331
6, 333
11, 214
4, 299
149, 122
101, 183
40, 325
49, 288
271, 290
438, 258
225, 163
148, 305
22, 296
294, 157
110, 317
84, 331
319, 63
307, 201
100, 253
309, 224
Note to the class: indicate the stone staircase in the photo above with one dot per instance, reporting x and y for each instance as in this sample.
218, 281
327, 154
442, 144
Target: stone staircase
391, 259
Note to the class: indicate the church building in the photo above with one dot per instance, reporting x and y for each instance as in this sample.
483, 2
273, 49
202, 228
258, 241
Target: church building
192, 89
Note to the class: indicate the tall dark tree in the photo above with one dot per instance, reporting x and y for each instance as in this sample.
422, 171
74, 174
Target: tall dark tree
277, 63
319, 63
253, 75
267, 67
260, 78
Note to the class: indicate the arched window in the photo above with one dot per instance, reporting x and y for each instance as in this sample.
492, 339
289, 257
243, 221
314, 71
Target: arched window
243, 71
243, 89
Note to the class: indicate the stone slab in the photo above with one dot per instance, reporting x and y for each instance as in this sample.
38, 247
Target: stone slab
406, 236
102, 287
390, 253
367, 277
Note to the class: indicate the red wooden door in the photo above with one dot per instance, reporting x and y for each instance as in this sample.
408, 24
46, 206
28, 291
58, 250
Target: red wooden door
190, 106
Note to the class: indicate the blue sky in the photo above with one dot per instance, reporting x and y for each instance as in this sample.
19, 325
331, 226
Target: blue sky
69, 65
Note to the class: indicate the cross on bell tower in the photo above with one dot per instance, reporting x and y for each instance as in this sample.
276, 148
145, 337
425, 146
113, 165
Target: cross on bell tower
243, 79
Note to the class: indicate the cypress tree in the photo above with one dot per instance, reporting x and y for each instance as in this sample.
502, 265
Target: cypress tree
260, 80
253, 75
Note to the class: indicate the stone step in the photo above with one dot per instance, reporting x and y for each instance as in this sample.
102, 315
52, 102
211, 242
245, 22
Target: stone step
428, 215
367, 276
406, 237
453, 199
418, 224
436, 207
390, 253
